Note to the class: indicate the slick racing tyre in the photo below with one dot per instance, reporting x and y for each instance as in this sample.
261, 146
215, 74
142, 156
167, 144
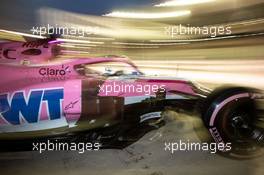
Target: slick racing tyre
230, 114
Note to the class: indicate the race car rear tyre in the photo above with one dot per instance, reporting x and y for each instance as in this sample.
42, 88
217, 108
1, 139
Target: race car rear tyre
230, 115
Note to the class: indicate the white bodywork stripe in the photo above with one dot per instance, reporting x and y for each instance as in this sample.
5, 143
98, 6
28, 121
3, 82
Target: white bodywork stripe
138, 99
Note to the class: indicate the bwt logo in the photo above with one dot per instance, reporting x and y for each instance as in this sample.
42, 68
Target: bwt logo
45, 71
17, 106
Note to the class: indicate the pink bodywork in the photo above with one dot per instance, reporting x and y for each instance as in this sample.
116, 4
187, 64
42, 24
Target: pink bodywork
18, 52
17, 78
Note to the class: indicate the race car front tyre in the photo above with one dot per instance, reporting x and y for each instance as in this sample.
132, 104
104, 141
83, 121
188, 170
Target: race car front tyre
231, 117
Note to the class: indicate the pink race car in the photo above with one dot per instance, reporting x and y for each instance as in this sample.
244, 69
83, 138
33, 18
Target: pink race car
109, 101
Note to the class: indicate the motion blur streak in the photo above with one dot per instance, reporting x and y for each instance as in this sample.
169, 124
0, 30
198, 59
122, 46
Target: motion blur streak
247, 73
183, 2
148, 15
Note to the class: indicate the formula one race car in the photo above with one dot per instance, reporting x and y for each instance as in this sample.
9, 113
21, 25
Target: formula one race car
91, 99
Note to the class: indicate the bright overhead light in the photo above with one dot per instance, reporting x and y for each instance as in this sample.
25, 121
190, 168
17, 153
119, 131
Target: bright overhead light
138, 15
182, 2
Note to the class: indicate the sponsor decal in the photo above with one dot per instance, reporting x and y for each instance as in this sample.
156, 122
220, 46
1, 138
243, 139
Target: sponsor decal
148, 116
6, 54
216, 135
36, 44
71, 105
18, 107
218, 140
46, 71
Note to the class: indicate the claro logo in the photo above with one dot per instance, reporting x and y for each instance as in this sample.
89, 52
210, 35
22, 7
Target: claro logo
47, 71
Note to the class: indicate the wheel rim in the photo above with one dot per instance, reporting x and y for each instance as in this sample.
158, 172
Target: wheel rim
239, 124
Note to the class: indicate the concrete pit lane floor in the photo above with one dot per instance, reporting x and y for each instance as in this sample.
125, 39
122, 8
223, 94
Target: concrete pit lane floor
145, 157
